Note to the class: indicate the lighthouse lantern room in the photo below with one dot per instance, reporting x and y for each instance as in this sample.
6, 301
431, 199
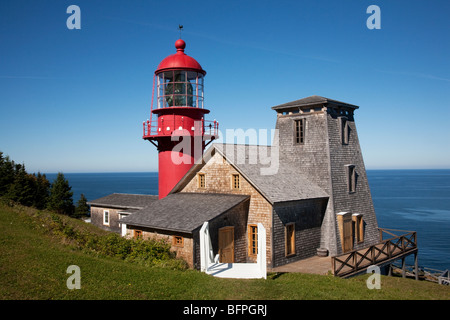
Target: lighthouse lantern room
177, 125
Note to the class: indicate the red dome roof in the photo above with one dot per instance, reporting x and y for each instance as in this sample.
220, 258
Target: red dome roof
179, 61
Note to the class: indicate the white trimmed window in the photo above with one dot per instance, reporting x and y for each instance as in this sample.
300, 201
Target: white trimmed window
106, 217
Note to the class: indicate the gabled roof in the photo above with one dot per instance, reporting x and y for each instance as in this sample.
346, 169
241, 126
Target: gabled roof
183, 212
284, 184
124, 201
312, 100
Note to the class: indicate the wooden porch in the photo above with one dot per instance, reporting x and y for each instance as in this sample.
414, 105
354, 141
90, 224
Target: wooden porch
356, 262
314, 265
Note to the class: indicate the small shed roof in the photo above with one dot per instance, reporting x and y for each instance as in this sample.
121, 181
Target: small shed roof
183, 212
124, 201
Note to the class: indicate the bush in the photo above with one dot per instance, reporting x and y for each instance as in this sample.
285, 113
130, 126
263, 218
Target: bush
151, 252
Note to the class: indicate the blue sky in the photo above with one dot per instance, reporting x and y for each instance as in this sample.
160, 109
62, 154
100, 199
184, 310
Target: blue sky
74, 100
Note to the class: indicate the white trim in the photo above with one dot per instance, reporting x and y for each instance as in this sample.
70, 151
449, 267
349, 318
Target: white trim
211, 265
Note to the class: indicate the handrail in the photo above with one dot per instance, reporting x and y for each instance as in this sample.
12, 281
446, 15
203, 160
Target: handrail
150, 128
357, 260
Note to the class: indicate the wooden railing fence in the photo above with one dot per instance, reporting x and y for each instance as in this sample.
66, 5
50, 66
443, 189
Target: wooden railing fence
393, 248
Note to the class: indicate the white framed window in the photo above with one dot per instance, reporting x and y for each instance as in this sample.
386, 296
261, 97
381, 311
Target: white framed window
106, 217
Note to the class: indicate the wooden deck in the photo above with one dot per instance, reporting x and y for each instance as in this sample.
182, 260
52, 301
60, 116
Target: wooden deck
357, 261
314, 265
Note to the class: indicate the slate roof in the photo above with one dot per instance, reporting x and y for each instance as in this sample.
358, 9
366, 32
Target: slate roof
287, 183
124, 201
183, 212
310, 101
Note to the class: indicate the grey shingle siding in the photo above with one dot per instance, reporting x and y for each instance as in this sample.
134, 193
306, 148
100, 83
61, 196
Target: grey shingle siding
322, 159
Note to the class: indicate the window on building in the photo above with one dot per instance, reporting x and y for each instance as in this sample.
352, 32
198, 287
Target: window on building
358, 223
178, 241
235, 183
299, 131
106, 217
351, 178
290, 238
344, 130
201, 180
138, 234
252, 240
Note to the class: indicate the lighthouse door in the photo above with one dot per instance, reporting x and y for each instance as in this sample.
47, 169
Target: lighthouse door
226, 245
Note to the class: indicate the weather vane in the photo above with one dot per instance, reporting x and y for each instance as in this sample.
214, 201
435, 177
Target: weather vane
181, 28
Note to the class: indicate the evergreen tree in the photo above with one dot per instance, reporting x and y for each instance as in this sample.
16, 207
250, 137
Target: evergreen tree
42, 191
60, 199
82, 208
6, 174
22, 189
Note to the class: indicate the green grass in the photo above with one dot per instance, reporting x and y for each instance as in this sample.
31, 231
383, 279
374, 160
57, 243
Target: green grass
33, 264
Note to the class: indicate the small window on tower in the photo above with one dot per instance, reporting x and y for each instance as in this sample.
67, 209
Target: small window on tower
351, 178
201, 180
344, 130
299, 131
235, 183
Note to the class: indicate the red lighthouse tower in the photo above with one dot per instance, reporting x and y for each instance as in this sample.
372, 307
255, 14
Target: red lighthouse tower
177, 126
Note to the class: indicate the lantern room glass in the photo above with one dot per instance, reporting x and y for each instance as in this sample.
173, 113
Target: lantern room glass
180, 88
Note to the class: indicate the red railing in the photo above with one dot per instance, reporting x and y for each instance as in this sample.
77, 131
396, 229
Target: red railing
203, 127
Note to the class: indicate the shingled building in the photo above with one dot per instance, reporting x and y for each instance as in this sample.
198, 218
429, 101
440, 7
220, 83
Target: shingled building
316, 197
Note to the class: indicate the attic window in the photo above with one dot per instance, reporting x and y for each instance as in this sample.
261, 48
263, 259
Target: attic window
201, 180
235, 183
299, 131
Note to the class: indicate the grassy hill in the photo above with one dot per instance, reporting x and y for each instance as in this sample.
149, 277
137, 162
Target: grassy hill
34, 259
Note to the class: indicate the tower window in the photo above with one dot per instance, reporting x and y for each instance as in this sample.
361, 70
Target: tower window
299, 131
201, 180
344, 130
235, 183
351, 178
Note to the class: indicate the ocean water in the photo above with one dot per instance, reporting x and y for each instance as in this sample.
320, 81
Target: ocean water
412, 200
416, 200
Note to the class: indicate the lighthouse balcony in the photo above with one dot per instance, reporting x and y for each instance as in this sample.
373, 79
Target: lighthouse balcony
155, 129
